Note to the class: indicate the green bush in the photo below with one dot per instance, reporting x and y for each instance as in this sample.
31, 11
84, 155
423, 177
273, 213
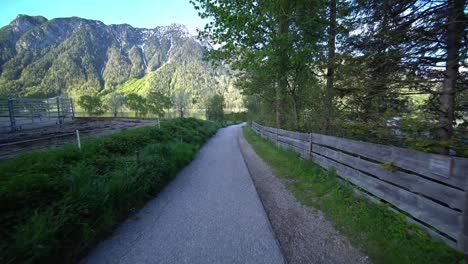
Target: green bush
55, 204
215, 108
236, 117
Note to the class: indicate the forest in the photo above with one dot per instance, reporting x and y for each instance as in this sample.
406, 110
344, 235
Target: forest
390, 72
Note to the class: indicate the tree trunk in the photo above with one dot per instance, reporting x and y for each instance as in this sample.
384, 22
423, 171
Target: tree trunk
329, 94
281, 103
448, 89
295, 100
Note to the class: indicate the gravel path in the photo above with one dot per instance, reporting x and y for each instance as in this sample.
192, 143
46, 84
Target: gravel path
210, 213
304, 233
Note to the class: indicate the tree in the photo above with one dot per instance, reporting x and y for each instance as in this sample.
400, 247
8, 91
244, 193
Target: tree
181, 100
92, 104
330, 65
115, 102
157, 102
273, 41
136, 103
416, 45
456, 21
215, 108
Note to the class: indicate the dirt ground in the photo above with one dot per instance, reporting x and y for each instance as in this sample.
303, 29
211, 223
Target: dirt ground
52, 136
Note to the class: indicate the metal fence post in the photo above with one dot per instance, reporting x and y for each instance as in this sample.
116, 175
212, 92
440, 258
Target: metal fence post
58, 111
11, 113
72, 109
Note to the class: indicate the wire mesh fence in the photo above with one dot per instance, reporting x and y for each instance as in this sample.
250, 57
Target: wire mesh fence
23, 113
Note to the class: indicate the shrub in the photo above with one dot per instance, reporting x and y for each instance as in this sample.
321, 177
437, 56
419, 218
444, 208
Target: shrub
215, 108
56, 204
93, 105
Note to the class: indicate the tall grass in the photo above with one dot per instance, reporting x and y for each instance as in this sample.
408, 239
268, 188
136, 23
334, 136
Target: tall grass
55, 204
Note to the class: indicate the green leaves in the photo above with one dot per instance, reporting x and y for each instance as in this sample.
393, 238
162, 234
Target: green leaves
215, 108
136, 103
157, 102
92, 104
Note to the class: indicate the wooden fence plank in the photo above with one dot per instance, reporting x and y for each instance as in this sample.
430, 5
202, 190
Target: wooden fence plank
297, 143
270, 129
294, 135
305, 154
270, 135
450, 196
434, 166
443, 218
428, 230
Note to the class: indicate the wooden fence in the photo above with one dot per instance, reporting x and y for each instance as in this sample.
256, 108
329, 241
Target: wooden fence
430, 189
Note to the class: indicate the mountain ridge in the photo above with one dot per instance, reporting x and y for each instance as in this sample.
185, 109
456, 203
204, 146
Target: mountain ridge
76, 56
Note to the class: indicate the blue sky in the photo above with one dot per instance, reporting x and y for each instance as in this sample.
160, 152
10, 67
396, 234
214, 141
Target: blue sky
138, 13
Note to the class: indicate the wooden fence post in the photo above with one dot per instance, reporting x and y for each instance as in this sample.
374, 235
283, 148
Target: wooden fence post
310, 145
463, 240
277, 137
78, 140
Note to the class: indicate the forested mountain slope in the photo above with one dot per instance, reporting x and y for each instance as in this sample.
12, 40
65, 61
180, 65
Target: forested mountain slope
75, 56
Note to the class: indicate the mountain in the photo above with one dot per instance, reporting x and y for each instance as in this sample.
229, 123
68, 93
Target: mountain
76, 56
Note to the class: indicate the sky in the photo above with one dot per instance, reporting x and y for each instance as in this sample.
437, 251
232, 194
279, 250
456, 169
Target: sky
137, 13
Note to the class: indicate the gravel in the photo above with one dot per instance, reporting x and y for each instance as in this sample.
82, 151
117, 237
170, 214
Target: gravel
210, 213
304, 233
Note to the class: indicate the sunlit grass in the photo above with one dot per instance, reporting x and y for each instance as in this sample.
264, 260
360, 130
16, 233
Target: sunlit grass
56, 204
384, 235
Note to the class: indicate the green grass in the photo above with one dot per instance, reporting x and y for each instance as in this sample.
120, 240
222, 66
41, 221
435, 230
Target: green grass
54, 205
385, 236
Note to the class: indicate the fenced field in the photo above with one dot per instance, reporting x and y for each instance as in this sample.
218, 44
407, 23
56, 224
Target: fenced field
23, 113
47, 137
429, 189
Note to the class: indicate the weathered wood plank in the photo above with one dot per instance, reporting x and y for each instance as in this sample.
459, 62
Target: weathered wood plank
294, 134
450, 196
270, 129
429, 231
442, 218
438, 167
270, 135
297, 143
305, 154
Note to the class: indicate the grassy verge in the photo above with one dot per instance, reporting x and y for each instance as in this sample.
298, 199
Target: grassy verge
55, 204
386, 236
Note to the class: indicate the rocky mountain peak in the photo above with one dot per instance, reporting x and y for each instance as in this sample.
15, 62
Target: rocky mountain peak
76, 56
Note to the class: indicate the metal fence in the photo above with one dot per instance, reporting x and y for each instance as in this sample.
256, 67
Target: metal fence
23, 113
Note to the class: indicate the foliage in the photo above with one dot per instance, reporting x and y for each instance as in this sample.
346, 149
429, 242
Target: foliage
260, 40
56, 204
386, 236
115, 102
181, 101
215, 108
92, 104
328, 66
236, 117
157, 102
136, 103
